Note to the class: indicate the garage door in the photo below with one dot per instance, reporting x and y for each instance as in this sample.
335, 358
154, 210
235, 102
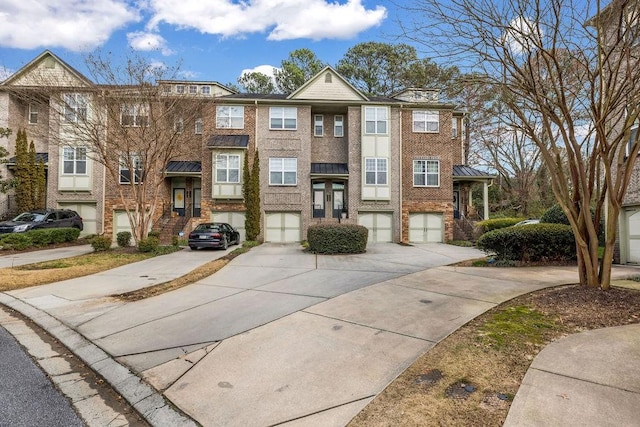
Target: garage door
89, 215
235, 219
282, 227
380, 226
425, 228
633, 233
120, 223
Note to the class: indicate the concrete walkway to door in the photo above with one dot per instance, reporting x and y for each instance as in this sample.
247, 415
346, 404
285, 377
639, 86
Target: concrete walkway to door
281, 336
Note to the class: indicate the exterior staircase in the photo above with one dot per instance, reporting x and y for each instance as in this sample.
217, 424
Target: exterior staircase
464, 229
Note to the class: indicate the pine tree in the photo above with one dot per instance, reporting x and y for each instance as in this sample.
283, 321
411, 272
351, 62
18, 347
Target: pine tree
41, 184
252, 221
32, 167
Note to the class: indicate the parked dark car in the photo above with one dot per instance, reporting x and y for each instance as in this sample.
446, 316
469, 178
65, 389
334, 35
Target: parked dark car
213, 235
42, 218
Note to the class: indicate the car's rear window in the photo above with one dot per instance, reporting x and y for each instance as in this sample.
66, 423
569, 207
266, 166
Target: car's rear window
204, 227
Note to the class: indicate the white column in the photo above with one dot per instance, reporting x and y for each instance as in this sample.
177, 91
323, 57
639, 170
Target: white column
485, 199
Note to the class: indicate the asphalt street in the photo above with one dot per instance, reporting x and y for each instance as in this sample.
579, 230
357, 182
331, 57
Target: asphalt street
27, 396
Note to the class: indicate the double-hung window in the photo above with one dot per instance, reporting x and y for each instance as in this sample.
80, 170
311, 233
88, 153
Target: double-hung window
198, 127
74, 160
75, 107
33, 113
426, 121
134, 115
230, 116
338, 126
178, 125
376, 119
193, 89
283, 171
375, 171
205, 90
426, 173
318, 128
134, 162
180, 89
283, 118
454, 127
228, 168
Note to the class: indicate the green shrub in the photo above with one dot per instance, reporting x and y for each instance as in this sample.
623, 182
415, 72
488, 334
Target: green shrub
154, 234
149, 244
165, 249
337, 239
554, 215
175, 241
123, 239
101, 243
17, 241
531, 243
40, 237
60, 235
496, 223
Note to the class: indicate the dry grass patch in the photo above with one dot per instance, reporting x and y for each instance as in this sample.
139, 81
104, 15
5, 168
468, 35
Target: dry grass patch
68, 268
490, 355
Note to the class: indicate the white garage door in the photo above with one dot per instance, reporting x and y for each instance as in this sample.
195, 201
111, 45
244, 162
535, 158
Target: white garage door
120, 223
425, 228
235, 219
89, 215
282, 227
633, 233
380, 226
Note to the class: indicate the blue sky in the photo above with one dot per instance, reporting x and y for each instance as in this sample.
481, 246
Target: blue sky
212, 39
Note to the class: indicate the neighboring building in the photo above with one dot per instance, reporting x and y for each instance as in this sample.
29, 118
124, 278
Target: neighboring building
327, 152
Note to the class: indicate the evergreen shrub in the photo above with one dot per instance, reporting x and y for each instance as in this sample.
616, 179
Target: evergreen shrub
337, 239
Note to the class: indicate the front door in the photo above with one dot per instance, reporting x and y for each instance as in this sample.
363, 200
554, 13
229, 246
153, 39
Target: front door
178, 201
318, 203
197, 197
338, 202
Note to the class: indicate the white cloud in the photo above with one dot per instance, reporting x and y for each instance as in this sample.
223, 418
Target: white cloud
141, 40
522, 35
78, 25
285, 19
264, 69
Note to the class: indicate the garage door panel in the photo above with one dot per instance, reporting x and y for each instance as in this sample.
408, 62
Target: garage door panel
235, 219
633, 239
379, 224
89, 214
426, 228
282, 227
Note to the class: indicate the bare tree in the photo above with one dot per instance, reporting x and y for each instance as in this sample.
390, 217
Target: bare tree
128, 122
568, 73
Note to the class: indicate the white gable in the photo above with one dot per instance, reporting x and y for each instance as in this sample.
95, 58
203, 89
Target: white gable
328, 85
47, 70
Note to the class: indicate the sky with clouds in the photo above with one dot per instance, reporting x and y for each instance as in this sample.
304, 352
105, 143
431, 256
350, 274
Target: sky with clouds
211, 39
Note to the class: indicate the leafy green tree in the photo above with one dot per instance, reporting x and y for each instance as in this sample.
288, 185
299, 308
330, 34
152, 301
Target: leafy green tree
426, 73
379, 68
256, 82
252, 200
301, 65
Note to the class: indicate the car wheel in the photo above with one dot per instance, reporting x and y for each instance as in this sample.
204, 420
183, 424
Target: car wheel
193, 248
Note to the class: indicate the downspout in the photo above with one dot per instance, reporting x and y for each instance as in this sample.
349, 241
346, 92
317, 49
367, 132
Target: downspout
400, 180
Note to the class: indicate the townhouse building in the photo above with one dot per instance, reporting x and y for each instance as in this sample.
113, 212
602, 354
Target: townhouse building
327, 152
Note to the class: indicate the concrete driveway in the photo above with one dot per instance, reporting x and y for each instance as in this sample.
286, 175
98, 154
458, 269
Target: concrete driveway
280, 336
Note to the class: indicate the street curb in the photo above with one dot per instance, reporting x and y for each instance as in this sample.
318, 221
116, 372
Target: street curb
151, 405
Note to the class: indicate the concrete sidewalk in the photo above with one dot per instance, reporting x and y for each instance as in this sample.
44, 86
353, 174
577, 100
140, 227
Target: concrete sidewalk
280, 336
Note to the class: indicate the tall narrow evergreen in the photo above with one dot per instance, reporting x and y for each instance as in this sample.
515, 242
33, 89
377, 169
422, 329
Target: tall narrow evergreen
252, 221
22, 172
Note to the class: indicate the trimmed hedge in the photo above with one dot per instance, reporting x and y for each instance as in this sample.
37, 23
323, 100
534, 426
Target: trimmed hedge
101, 243
123, 239
531, 243
337, 239
149, 244
39, 238
497, 223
